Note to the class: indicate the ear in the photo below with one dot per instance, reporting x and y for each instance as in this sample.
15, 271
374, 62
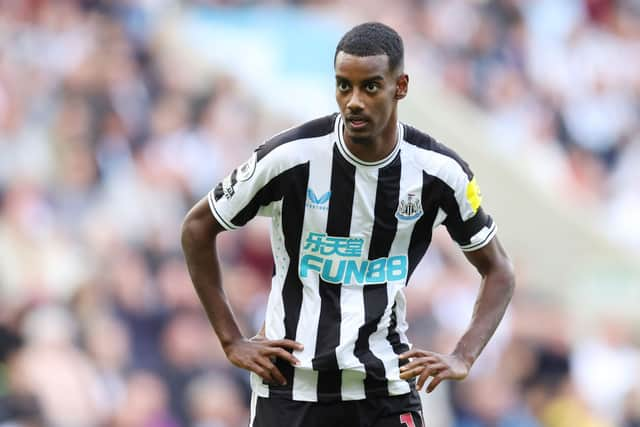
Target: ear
402, 86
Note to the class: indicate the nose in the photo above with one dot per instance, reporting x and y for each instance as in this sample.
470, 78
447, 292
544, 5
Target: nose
355, 102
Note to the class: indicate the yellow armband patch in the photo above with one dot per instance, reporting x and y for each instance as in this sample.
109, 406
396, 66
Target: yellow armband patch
474, 197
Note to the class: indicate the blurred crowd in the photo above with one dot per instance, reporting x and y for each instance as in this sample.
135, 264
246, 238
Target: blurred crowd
106, 140
558, 81
560, 84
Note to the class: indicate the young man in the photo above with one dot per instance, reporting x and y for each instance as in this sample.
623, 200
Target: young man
353, 199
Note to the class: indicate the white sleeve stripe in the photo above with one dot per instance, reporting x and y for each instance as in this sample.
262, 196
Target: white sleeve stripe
482, 238
212, 205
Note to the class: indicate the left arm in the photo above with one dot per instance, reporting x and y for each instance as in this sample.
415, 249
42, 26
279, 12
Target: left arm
495, 293
496, 289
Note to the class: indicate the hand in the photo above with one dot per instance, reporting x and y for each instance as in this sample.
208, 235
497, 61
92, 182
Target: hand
425, 364
258, 354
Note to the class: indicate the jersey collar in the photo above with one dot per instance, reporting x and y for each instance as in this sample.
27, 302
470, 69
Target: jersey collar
351, 158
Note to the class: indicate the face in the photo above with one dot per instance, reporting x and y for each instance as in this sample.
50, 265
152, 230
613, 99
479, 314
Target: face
367, 92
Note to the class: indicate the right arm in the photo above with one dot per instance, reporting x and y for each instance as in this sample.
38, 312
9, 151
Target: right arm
199, 233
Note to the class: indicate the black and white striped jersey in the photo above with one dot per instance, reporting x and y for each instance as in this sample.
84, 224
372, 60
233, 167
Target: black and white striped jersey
346, 236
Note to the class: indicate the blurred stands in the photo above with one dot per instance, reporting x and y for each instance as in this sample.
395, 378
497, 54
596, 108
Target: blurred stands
116, 116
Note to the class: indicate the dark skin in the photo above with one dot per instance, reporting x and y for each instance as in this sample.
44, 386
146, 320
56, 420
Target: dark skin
199, 233
496, 289
367, 92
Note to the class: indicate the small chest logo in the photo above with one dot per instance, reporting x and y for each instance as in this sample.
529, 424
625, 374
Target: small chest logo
409, 208
315, 202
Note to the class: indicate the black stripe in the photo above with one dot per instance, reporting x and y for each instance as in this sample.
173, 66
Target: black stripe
476, 222
343, 181
218, 192
462, 231
375, 296
385, 221
313, 129
293, 199
375, 302
339, 225
272, 191
394, 337
234, 179
420, 139
432, 190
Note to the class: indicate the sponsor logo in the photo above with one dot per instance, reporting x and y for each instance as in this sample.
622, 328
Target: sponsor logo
227, 187
339, 260
409, 208
315, 202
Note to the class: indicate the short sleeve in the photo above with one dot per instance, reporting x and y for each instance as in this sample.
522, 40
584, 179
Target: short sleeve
467, 222
246, 192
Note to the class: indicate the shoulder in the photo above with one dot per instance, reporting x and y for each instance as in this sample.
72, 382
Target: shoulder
316, 128
433, 156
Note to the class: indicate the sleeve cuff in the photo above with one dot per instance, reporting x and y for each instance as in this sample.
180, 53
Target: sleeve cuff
481, 238
223, 222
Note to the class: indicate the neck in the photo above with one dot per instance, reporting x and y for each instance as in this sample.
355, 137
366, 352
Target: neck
378, 147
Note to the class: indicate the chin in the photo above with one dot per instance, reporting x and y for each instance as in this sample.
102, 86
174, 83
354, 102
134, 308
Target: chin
361, 140
360, 137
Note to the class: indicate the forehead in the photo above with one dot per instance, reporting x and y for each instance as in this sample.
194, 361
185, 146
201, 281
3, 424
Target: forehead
361, 67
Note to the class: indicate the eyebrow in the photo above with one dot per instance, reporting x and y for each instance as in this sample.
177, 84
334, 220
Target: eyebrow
368, 79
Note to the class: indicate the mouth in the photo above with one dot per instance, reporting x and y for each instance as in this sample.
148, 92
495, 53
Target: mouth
357, 122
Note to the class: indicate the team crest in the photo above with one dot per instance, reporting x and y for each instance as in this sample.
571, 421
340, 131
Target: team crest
409, 208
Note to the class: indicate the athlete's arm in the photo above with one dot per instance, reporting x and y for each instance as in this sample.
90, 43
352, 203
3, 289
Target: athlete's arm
496, 289
199, 232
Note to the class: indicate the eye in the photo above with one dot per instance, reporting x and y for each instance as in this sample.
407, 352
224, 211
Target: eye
371, 87
343, 86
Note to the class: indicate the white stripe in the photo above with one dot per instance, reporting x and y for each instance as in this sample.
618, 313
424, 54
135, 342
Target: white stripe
401, 317
352, 298
257, 386
353, 373
274, 316
305, 384
353, 384
254, 403
315, 220
440, 217
396, 385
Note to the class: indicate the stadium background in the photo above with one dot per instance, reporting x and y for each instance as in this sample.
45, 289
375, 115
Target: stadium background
116, 116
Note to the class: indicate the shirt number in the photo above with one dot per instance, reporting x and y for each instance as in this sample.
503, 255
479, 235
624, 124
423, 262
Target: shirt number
407, 420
